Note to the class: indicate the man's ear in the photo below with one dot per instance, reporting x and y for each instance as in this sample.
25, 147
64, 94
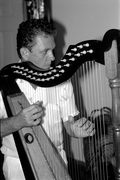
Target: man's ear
24, 53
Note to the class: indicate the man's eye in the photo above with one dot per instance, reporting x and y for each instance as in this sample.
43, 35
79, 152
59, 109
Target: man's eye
45, 52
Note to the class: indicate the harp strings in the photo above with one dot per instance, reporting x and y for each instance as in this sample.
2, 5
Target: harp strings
90, 95
102, 169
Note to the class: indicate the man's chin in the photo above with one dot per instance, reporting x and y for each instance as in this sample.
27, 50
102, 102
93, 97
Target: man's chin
46, 67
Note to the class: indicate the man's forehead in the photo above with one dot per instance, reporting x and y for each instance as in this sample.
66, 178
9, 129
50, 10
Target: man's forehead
39, 41
47, 42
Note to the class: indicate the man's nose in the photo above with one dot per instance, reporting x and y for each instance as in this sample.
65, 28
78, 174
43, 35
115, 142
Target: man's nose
51, 56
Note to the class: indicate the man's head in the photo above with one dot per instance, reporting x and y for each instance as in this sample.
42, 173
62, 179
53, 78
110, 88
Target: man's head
35, 42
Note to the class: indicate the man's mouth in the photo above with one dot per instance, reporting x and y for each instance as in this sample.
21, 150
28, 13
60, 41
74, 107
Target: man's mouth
47, 66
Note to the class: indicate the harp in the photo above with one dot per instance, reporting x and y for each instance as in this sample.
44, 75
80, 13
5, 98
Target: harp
76, 55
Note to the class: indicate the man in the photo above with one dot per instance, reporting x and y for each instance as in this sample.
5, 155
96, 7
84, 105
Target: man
35, 43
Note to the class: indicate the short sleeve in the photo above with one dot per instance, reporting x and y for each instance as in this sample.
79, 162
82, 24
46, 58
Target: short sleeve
67, 101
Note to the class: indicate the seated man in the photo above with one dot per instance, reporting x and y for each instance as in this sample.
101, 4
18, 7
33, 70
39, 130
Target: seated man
35, 43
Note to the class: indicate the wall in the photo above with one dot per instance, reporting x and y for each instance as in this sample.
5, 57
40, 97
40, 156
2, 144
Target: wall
11, 14
83, 19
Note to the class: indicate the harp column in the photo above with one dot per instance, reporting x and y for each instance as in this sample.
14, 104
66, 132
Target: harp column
113, 74
115, 88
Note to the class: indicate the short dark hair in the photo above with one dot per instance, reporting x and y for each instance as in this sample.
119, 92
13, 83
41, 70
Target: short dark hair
29, 29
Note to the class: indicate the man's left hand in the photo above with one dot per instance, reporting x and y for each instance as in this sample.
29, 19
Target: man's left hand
82, 127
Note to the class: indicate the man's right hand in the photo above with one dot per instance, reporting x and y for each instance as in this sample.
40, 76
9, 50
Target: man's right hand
30, 116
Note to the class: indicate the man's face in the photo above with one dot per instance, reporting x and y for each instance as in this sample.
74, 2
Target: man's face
42, 53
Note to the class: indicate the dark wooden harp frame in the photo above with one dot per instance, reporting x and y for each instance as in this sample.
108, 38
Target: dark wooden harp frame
112, 65
92, 50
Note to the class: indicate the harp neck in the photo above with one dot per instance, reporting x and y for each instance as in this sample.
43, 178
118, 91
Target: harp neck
74, 57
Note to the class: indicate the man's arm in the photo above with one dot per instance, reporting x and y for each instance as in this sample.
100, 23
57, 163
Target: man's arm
8, 126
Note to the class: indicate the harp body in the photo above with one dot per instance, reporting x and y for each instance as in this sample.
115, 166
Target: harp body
40, 153
75, 56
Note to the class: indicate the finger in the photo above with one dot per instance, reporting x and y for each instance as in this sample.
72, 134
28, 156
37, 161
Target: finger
37, 115
35, 110
31, 107
40, 107
36, 122
92, 132
82, 123
71, 119
39, 103
89, 125
91, 129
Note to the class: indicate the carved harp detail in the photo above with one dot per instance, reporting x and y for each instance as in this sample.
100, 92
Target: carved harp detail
92, 50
